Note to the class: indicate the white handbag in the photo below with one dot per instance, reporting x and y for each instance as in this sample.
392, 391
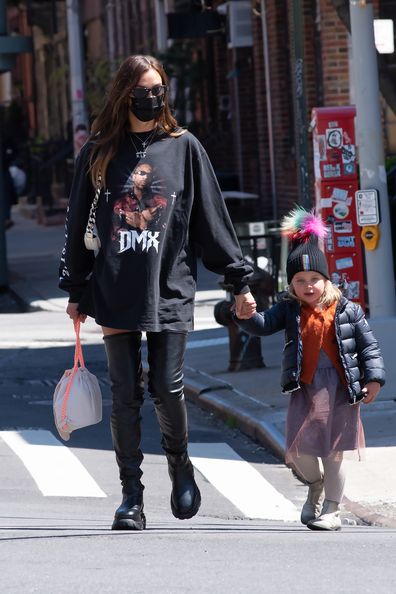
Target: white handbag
77, 400
91, 238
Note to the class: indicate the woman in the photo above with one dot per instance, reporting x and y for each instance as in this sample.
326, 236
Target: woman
159, 196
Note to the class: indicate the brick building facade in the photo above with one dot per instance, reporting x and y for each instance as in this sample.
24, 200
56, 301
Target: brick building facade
227, 101
239, 141
327, 58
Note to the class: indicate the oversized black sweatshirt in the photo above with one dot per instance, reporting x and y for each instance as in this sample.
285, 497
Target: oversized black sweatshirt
151, 213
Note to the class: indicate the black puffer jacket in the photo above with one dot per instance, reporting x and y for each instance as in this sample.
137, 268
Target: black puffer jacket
359, 350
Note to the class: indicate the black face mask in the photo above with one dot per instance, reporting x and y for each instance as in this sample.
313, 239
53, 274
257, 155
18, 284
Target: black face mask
148, 108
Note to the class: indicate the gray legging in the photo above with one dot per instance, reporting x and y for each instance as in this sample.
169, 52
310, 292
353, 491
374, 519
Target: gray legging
308, 468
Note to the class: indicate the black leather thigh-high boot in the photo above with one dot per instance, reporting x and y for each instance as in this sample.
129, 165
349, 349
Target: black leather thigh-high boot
127, 386
166, 358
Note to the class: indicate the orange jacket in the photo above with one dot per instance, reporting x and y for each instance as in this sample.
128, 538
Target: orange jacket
318, 332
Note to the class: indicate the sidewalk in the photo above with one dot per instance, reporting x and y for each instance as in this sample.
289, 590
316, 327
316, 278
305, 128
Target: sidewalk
250, 400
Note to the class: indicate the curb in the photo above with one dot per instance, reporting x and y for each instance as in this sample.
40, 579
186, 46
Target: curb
368, 516
10, 303
240, 410
25, 295
235, 408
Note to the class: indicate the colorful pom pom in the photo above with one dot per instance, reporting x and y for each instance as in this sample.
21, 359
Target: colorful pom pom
301, 224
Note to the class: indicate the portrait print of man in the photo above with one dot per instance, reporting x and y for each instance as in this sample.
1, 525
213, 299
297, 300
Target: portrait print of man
139, 208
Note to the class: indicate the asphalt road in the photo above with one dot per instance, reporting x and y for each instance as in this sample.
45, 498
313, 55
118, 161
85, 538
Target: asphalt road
245, 539
63, 544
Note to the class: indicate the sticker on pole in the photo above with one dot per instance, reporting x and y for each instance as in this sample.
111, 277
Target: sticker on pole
343, 226
340, 210
346, 241
348, 153
343, 263
367, 208
334, 137
339, 195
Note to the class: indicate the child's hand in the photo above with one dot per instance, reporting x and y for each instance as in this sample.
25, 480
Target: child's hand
372, 389
245, 306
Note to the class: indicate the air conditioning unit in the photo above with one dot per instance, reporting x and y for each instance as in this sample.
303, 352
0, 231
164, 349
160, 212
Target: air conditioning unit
239, 23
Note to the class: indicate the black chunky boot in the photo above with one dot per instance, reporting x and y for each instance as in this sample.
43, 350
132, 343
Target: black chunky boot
185, 497
127, 386
130, 516
166, 357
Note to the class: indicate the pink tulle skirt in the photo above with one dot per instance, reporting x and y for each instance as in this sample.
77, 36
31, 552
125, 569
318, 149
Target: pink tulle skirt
320, 420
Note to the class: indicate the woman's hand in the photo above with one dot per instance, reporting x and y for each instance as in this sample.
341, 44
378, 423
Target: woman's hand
371, 389
245, 306
74, 314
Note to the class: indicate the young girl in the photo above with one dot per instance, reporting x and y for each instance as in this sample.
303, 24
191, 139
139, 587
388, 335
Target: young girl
331, 362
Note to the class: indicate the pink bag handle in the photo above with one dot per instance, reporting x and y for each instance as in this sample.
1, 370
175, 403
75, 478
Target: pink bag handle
78, 358
78, 354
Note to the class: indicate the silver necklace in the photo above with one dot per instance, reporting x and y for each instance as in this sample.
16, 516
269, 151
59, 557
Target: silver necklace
145, 144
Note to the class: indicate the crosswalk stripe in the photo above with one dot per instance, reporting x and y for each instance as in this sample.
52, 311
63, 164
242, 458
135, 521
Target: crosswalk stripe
58, 473
54, 468
239, 482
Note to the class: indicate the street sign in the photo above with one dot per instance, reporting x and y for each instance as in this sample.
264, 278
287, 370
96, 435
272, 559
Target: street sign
367, 209
384, 36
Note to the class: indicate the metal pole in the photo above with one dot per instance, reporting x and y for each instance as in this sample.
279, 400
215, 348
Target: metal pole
300, 107
3, 198
111, 35
77, 84
379, 262
160, 24
3, 18
271, 146
237, 118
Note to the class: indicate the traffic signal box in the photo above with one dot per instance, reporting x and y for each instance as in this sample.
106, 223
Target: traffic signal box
336, 182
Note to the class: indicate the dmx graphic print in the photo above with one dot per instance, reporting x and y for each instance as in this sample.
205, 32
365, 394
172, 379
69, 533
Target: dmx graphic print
140, 213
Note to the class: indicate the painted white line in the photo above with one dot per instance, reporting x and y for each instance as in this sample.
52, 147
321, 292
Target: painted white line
199, 326
47, 344
211, 295
198, 344
55, 304
239, 482
55, 469
32, 344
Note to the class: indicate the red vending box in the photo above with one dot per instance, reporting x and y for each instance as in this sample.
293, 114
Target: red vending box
343, 244
335, 185
334, 143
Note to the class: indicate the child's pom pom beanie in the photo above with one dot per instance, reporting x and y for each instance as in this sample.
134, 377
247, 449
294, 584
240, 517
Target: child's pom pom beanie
304, 229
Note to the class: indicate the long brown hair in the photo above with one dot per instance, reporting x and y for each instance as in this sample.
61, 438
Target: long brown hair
108, 129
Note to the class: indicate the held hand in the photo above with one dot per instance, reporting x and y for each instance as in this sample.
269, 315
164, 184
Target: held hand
136, 219
149, 213
371, 389
140, 220
245, 306
74, 314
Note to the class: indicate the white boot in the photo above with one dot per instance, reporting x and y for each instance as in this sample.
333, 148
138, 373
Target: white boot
313, 505
329, 519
